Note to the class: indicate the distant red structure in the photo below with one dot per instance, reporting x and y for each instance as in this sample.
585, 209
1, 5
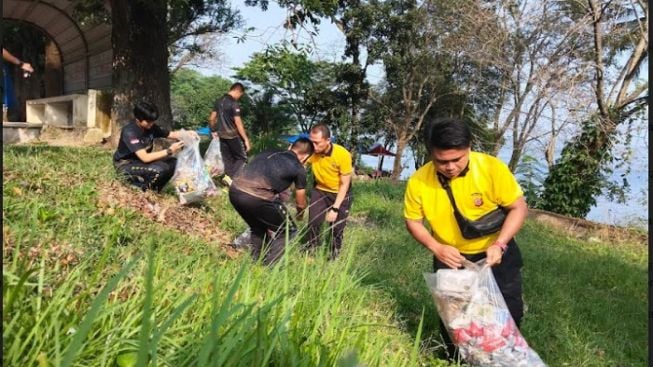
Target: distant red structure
378, 150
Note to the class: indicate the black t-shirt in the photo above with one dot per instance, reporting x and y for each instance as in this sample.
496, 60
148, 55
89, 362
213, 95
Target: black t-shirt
134, 138
227, 109
271, 173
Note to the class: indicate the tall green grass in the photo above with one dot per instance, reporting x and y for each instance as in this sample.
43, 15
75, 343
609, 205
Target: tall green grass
586, 301
82, 288
137, 295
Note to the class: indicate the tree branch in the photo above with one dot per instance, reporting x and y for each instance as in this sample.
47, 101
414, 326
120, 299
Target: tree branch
597, 14
635, 60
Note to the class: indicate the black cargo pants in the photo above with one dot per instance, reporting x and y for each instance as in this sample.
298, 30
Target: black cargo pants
267, 221
147, 176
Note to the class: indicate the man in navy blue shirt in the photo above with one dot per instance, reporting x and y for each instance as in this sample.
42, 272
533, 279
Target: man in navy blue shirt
255, 194
226, 124
134, 158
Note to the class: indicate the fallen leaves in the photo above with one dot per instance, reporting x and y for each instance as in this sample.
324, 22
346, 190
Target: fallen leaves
191, 221
53, 253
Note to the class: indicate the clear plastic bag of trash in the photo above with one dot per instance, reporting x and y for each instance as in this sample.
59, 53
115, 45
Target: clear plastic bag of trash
213, 158
477, 319
191, 179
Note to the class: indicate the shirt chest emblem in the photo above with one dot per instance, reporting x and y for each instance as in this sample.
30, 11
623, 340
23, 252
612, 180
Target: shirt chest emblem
477, 199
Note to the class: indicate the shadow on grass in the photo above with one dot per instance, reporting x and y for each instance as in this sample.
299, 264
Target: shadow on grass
587, 302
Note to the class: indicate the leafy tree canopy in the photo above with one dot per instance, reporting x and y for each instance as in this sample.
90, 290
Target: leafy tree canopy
193, 96
304, 91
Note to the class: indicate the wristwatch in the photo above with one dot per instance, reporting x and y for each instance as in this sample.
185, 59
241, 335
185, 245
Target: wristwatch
169, 151
334, 209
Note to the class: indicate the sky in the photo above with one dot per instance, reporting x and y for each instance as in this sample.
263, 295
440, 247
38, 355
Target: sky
328, 45
269, 30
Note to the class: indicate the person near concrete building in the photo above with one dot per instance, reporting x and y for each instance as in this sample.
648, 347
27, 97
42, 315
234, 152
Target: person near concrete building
8, 56
256, 194
8, 97
225, 123
331, 194
134, 159
457, 192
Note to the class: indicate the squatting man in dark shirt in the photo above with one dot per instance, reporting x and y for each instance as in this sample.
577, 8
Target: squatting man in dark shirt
255, 193
134, 158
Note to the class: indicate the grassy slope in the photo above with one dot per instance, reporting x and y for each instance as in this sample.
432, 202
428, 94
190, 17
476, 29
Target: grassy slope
61, 249
586, 302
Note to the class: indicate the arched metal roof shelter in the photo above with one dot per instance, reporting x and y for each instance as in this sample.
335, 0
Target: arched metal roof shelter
85, 50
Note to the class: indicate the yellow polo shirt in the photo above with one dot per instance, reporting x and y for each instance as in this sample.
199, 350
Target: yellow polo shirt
487, 183
327, 168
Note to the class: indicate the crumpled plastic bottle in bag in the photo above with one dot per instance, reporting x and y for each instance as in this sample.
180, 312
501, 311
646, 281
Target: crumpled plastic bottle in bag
191, 179
213, 158
477, 319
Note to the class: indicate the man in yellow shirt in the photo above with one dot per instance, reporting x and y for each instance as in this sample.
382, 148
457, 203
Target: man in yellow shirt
479, 183
331, 194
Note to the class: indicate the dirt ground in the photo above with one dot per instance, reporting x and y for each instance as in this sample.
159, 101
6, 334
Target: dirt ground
65, 138
197, 221
166, 210
587, 230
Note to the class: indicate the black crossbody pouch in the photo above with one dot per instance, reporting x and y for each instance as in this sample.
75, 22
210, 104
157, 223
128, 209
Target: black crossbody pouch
483, 226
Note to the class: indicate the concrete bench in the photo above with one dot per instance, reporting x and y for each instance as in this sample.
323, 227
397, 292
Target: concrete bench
88, 114
62, 111
20, 132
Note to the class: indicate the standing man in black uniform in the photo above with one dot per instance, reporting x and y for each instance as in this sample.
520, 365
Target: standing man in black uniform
254, 194
134, 158
225, 123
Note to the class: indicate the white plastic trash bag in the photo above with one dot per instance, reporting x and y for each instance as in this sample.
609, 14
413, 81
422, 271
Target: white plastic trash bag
191, 179
213, 158
475, 314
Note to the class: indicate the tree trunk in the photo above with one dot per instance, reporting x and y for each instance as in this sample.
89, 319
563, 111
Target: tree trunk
515, 156
576, 179
549, 153
352, 49
140, 60
354, 89
579, 175
397, 167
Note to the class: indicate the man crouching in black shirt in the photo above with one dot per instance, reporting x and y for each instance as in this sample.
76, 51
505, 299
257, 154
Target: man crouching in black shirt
134, 158
255, 191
